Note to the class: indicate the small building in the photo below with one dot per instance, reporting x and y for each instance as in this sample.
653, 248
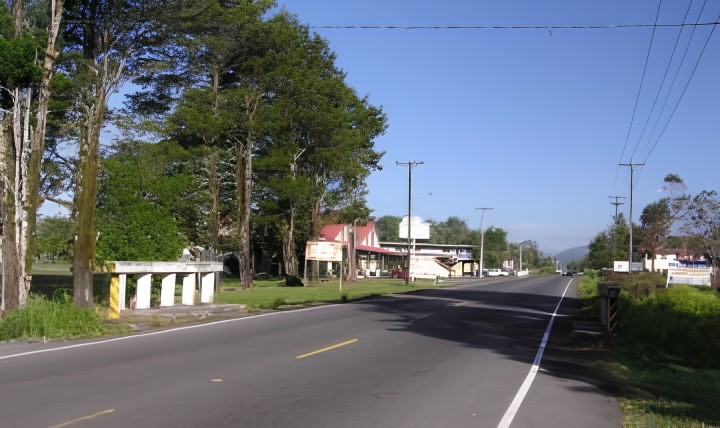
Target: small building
444, 260
672, 259
375, 258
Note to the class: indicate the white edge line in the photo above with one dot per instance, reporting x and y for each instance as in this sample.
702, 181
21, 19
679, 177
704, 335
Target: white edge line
525, 387
154, 333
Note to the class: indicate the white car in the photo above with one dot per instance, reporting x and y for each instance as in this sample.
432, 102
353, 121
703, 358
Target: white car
496, 272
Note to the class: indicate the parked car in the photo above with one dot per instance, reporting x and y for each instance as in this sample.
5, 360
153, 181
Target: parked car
496, 272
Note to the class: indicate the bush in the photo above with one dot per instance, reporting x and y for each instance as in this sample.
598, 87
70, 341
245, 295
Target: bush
680, 321
588, 285
55, 318
641, 285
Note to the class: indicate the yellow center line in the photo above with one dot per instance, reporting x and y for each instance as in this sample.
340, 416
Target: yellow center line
326, 349
84, 418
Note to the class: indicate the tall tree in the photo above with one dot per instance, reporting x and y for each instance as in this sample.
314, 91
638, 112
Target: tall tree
25, 89
609, 245
703, 219
104, 41
454, 230
139, 185
388, 228
655, 223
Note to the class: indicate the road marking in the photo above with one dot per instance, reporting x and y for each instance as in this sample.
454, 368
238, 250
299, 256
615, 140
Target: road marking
326, 349
84, 418
525, 387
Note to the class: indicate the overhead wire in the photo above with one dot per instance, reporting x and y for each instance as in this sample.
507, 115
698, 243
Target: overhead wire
672, 85
662, 83
654, 26
637, 98
506, 27
682, 94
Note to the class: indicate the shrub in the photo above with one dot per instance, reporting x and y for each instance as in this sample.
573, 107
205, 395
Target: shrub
641, 285
57, 318
588, 285
680, 321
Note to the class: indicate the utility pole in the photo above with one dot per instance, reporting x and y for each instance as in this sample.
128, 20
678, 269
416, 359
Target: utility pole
632, 169
410, 165
482, 239
617, 203
520, 245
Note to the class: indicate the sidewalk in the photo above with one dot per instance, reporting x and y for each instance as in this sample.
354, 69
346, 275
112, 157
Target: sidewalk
143, 320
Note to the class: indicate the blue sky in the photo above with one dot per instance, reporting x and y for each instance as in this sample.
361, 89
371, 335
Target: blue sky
530, 122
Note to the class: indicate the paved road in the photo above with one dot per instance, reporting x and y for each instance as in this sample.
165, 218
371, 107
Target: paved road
457, 357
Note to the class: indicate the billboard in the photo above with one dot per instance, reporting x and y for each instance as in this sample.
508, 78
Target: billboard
323, 251
420, 230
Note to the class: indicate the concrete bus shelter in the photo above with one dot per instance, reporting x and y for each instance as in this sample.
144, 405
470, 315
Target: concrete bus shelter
206, 274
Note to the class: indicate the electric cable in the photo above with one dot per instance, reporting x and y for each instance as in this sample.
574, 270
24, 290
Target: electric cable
505, 27
662, 83
682, 94
637, 99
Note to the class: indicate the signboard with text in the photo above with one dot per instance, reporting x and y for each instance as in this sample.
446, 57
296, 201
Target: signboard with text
323, 251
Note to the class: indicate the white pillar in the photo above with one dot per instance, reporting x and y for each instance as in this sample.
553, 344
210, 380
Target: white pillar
188, 293
123, 287
143, 291
207, 287
167, 292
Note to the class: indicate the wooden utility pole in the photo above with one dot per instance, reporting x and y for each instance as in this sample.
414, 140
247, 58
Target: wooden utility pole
617, 203
410, 166
632, 169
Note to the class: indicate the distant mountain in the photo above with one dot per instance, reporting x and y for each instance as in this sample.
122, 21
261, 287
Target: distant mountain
572, 255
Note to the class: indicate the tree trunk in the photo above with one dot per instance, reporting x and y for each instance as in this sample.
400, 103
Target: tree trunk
21, 150
89, 164
214, 187
213, 180
243, 177
289, 254
244, 186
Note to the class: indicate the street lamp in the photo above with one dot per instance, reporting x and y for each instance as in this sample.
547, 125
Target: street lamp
482, 239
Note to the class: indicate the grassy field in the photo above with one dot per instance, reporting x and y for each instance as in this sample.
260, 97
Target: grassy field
664, 394
268, 294
658, 389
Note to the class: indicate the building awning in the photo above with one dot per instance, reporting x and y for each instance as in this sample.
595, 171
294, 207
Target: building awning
377, 250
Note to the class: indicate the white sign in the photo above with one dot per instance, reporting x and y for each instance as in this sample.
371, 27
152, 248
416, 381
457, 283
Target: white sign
689, 276
622, 266
420, 230
323, 251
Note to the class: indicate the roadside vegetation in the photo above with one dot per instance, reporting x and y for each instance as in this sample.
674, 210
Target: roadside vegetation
55, 318
272, 294
665, 352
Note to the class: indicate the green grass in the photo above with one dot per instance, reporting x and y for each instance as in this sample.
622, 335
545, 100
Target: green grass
664, 395
268, 294
665, 352
51, 319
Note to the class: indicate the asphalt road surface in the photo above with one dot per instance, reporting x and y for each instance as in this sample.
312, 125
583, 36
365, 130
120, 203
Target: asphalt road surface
467, 356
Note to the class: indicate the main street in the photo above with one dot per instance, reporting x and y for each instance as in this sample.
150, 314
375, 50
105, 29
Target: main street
451, 357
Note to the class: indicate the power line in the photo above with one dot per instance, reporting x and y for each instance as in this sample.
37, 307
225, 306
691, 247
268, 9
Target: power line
667, 69
682, 94
637, 98
507, 27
